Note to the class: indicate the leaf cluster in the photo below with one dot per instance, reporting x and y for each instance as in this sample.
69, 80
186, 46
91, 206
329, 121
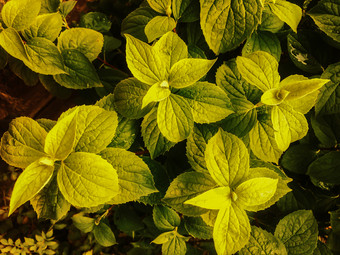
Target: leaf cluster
219, 131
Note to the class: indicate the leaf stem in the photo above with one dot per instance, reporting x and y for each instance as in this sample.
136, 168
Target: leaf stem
97, 221
141, 152
259, 104
106, 63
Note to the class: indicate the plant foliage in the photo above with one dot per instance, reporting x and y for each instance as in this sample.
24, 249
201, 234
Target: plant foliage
217, 133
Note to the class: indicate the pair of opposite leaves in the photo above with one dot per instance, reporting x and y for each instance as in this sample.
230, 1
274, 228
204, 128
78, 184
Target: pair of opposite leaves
240, 189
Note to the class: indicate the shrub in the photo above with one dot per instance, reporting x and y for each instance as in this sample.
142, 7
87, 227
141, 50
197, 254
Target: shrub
218, 133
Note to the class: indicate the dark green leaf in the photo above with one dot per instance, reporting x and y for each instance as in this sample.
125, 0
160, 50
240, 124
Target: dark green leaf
53, 87
127, 220
322, 249
109, 78
329, 98
264, 41
81, 74
186, 10
97, 21
326, 168
128, 97
165, 218
326, 15
326, 129
299, 232
49, 203
263, 242
270, 22
196, 144
298, 198
49, 6
156, 143
197, 228
104, 235
29, 77
298, 157
299, 53
3, 58
136, 21
83, 223
229, 78
243, 120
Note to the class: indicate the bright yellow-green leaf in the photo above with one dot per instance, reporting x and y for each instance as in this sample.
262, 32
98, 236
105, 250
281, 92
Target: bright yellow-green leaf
227, 159
144, 62
158, 26
96, 127
174, 118
87, 41
208, 102
281, 190
11, 41
171, 48
23, 143
186, 186
188, 71
304, 104
300, 86
289, 125
259, 69
30, 182
226, 24
157, 92
60, 139
288, 12
163, 238
83, 223
263, 142
231, 230
19, 14
47, 26
44, 57
256, 191
175, 245
161, 6
274, 96
87, 180
213, 199
135, 178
